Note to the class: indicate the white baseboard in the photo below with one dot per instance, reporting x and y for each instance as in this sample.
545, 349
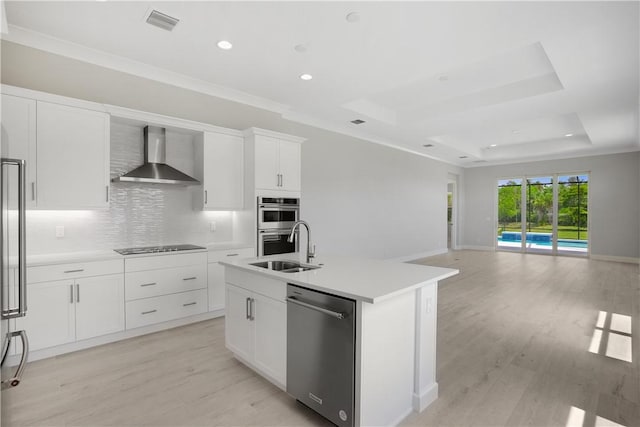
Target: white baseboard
630, 260
407, 258
118, 336
478, 248
425, 398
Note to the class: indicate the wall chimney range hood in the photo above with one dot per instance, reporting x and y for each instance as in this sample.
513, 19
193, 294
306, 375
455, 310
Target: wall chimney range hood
155, 170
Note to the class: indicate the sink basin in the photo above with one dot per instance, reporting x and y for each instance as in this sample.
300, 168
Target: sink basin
285, 266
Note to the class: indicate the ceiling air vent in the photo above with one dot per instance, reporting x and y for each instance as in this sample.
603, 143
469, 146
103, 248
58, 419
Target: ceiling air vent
427, 145
357, 122
161, 20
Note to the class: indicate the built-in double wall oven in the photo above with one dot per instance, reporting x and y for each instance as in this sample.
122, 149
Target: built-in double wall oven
276, 216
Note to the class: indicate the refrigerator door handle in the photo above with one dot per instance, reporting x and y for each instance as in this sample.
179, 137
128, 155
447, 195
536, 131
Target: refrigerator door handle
15, 379
21, 310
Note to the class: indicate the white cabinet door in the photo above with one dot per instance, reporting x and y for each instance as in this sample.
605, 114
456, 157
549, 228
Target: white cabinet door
270, 353
73, 157
223, 171
238, 327
216, 286
267, 163
50, 318
216, 274
289, 166
99, 306
19, 142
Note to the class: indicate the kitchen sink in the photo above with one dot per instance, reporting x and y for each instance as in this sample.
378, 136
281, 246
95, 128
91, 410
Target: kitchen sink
285, 266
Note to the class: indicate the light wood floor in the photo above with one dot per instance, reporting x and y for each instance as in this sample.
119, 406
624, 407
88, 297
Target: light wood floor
513, 338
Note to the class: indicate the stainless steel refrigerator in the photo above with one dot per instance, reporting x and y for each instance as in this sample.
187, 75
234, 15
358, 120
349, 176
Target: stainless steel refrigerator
13, 291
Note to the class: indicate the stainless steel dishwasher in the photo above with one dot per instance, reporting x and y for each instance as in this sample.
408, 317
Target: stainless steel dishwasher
321, 352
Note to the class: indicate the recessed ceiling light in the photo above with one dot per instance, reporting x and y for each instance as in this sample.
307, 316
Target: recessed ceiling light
462, 157
353, 17
306, 76
224, 45
515, 131
493, 145
568, 134
427, 145
357, 122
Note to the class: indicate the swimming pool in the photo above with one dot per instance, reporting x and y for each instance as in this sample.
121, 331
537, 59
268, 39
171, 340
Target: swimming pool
562, 243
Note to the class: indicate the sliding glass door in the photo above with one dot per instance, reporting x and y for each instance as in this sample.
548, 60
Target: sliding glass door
539, 201
555, 209
573, 214
510, 214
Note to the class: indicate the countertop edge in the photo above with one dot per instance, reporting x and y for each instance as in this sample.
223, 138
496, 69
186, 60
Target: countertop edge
372, 300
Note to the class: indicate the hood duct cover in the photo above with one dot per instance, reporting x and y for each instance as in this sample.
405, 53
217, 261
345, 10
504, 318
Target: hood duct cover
155, 170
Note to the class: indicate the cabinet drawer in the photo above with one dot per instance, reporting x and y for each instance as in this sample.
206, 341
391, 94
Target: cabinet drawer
48, 273
215, 256
145, 284
164, 261
148, 311
256, 283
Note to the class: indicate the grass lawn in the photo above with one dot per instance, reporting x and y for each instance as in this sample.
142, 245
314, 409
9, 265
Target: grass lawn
564, 231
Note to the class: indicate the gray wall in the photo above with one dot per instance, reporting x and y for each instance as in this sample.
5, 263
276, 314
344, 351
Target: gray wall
614, 200
360, 198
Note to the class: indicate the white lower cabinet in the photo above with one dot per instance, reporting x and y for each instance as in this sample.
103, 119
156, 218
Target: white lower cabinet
165, 287
256, 331
64, 311
148, 311
216, 274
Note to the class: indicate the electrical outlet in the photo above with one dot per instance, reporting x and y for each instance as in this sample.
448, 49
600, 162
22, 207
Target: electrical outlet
59, 230
212, 226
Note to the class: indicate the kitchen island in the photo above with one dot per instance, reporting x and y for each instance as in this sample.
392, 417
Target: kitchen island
395, 333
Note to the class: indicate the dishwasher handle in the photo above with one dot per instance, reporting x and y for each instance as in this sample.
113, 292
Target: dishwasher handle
331, 313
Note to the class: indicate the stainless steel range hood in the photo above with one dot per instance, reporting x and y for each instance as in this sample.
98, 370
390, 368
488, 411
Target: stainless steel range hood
155, 170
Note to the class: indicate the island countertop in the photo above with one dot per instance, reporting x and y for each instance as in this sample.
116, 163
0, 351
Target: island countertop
360, 279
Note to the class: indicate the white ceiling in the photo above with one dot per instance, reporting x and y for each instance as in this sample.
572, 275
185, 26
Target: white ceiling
461, 76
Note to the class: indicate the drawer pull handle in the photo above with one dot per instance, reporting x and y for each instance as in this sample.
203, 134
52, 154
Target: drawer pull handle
188, 304
148, 284
190, 278
149, 312
75, 271
233, 254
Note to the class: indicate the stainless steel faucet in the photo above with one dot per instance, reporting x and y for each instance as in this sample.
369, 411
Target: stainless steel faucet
310, 252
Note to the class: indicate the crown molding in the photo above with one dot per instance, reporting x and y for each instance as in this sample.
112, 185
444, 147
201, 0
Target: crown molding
77, 51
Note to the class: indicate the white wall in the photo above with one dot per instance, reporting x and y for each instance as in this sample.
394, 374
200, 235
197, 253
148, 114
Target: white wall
360, 198
614, 201
373, 201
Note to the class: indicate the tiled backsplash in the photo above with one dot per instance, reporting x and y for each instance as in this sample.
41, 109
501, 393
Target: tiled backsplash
139, 214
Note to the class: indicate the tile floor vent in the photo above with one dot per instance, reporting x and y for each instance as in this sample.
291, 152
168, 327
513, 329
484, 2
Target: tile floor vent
162, 20
357, 122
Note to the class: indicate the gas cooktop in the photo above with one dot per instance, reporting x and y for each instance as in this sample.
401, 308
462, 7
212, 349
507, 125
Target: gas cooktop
157, 249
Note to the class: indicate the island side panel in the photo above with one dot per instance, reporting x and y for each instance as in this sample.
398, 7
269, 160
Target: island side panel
385, 351
426, 387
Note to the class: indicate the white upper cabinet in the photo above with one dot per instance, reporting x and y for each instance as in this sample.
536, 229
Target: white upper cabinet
267, 163
276, 161
222, 173
65, 143
73, 157
289, 166
19, 140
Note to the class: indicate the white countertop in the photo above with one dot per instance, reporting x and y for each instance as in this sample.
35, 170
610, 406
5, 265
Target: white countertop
221, 246
355, 278
68, 257
84, 256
